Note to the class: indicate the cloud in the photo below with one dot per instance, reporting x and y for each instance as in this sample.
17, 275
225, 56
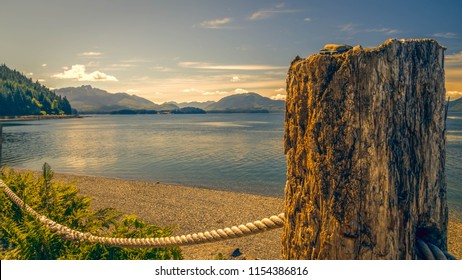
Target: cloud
276, 73
279, 97
136, 60
192, 87
78, 72
203, 92
41, 80
162, 69
121, 65
270, 12
235, 79
216, 23
453, 71
281, 5
447, 35
453, 74
349, 27
44, 65
113, 67
193, 90
217, 92
388, 31
240, 90
454, 59
90, 54
280, 90
307, 19
133, 90
353, 28
245, 67
454, 94
258, 15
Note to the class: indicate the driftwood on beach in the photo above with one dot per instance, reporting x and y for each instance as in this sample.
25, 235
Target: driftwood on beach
365, 144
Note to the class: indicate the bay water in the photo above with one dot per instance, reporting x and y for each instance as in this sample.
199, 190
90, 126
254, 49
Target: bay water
233, 152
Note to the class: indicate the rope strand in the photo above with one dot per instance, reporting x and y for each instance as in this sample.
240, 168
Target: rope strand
67, 233
423, 249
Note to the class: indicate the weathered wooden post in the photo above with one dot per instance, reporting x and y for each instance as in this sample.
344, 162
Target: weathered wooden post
365, 146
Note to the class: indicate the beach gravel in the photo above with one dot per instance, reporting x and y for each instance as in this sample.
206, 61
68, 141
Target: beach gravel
191, 210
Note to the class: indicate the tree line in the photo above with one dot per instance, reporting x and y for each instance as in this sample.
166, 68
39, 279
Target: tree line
21, 96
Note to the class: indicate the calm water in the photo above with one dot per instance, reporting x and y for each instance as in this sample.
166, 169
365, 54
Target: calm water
454, 161
237, 152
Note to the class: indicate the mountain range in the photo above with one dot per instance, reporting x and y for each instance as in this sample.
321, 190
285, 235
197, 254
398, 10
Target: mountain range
245, 103
87, 99
455, 106
195, 104
21, 96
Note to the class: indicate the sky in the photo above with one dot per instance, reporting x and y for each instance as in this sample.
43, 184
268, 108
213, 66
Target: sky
185, 50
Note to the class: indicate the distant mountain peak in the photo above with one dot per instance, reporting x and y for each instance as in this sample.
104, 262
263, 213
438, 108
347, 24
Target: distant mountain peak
87, 99
247, 102
248, 93
455, 106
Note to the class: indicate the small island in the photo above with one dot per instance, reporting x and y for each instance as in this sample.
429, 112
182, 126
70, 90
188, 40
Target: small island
133, 112
188, 110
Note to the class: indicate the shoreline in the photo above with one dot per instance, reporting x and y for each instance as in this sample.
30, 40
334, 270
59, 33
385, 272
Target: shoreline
193, 209
37, 117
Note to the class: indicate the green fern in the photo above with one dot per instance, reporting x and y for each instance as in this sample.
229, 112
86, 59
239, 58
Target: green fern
22, 237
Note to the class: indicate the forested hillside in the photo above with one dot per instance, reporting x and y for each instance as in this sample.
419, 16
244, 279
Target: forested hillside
20, 96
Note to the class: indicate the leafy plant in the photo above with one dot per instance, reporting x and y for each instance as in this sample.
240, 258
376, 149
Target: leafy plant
24, 237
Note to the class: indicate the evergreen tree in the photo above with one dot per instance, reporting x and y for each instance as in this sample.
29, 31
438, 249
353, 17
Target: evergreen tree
19, 96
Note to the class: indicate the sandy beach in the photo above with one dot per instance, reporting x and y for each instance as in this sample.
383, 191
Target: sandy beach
192, 210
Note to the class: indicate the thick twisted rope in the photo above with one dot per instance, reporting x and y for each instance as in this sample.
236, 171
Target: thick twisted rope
424, 250
429, 251
256, 227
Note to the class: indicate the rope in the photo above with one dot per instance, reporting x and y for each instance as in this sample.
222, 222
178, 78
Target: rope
424, 250
429, 251
256, 227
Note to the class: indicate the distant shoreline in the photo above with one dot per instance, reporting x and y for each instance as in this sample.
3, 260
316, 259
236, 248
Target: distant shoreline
38, 117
